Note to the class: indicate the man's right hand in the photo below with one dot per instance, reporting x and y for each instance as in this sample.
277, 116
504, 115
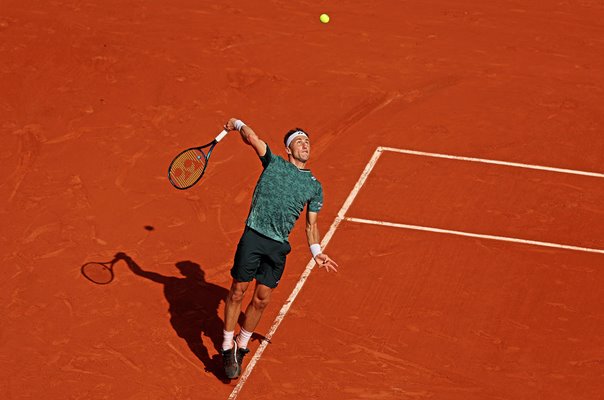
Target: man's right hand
230, 125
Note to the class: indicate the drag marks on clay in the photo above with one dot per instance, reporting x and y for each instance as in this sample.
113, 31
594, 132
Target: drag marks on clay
122, 357
243, 78
70, 135
61, 248
593, 362
517, 325
33, 235
183, 357
76, 190
335, 129
495, 340
128, 165
377, 104
384, 360
562, 306
30, 144
197, 205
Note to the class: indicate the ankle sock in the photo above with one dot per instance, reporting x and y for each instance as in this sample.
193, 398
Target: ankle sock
243, 338
227, 339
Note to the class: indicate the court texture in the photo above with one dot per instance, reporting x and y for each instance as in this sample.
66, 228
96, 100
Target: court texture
460, 145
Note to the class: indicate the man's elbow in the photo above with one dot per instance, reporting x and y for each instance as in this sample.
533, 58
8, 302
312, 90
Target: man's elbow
252, 137
258, 145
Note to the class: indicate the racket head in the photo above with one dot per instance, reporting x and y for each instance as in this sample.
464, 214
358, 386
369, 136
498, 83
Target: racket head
188, 167
98, 272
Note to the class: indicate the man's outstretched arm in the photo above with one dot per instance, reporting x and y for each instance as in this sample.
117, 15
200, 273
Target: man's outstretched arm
247, 135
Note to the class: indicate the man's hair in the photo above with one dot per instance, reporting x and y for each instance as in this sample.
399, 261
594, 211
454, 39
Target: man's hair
289, 133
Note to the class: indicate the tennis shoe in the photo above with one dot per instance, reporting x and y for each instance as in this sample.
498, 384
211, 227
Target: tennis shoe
240, 354
229, 361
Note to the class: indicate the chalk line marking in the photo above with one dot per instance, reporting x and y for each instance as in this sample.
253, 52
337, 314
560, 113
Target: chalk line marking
474, 235
496, 162
309, 267
341, 216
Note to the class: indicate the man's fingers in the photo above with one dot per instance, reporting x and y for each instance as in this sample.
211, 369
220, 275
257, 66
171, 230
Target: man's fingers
330, 265
330, 261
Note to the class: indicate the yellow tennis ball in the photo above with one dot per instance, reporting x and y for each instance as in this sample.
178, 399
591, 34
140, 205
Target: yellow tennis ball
324, 18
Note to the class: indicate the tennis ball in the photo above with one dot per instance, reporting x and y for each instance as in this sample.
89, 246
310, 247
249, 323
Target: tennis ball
324, 18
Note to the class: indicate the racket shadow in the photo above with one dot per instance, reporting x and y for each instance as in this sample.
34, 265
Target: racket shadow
193, 307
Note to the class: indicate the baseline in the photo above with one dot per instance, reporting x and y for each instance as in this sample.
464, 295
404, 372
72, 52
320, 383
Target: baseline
496, 162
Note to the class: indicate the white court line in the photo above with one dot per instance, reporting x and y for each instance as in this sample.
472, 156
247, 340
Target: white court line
475, 235
496, 162
309, 267
342, 216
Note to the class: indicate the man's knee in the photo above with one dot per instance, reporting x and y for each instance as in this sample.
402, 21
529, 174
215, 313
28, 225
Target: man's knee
260, 303
237, 291
261, 298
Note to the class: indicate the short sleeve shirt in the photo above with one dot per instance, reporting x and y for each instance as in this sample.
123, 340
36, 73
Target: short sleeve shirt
282, 192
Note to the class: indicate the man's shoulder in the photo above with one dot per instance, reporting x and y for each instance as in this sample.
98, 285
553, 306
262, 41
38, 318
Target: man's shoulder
313, 178
269, 155
315, 181
280, 162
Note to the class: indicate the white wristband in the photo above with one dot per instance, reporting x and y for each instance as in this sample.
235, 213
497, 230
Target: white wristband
315, 249
238, 124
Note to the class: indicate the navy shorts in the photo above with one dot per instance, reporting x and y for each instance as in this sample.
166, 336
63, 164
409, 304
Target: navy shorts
259, 257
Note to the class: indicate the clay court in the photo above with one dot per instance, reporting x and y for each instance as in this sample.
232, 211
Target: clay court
460, 146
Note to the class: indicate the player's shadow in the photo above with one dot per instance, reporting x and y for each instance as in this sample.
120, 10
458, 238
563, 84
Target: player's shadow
193, 308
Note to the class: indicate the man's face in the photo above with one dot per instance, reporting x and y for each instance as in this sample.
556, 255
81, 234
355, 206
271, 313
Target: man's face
300, 148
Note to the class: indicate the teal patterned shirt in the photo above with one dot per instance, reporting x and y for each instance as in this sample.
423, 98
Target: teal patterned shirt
282, 192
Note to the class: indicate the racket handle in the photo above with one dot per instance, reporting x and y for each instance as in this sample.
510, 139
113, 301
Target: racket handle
220, 136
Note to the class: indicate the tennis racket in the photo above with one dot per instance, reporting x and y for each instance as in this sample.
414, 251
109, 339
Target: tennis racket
188, 167
100, 273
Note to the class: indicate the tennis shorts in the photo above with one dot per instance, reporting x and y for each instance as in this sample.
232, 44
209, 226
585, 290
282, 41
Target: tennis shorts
259, 257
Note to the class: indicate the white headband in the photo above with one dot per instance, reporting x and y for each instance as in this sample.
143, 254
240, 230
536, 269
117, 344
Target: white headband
293, 136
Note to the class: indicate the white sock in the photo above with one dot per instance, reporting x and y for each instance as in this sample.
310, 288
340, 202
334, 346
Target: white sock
227, 341
243, 338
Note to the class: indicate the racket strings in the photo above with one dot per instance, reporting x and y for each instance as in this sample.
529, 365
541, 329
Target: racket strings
187, 168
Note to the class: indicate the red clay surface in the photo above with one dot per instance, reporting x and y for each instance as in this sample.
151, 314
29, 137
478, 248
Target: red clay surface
97, 97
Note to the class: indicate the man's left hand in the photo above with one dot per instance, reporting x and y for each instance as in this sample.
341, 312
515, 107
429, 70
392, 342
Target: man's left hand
323, 260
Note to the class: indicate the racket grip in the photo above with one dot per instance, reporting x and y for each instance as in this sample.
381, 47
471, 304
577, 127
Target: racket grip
220, 136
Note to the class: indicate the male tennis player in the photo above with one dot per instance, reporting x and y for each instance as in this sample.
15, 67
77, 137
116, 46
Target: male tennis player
282, 191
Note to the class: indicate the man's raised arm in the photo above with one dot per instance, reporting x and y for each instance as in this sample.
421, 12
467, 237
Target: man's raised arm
247, 135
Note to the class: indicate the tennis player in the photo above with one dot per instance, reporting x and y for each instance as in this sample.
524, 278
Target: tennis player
282, 192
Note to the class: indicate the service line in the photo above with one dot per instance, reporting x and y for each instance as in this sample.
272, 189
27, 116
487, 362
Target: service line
475, 235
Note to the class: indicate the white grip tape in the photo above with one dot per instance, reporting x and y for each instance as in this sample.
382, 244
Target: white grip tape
220, 136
